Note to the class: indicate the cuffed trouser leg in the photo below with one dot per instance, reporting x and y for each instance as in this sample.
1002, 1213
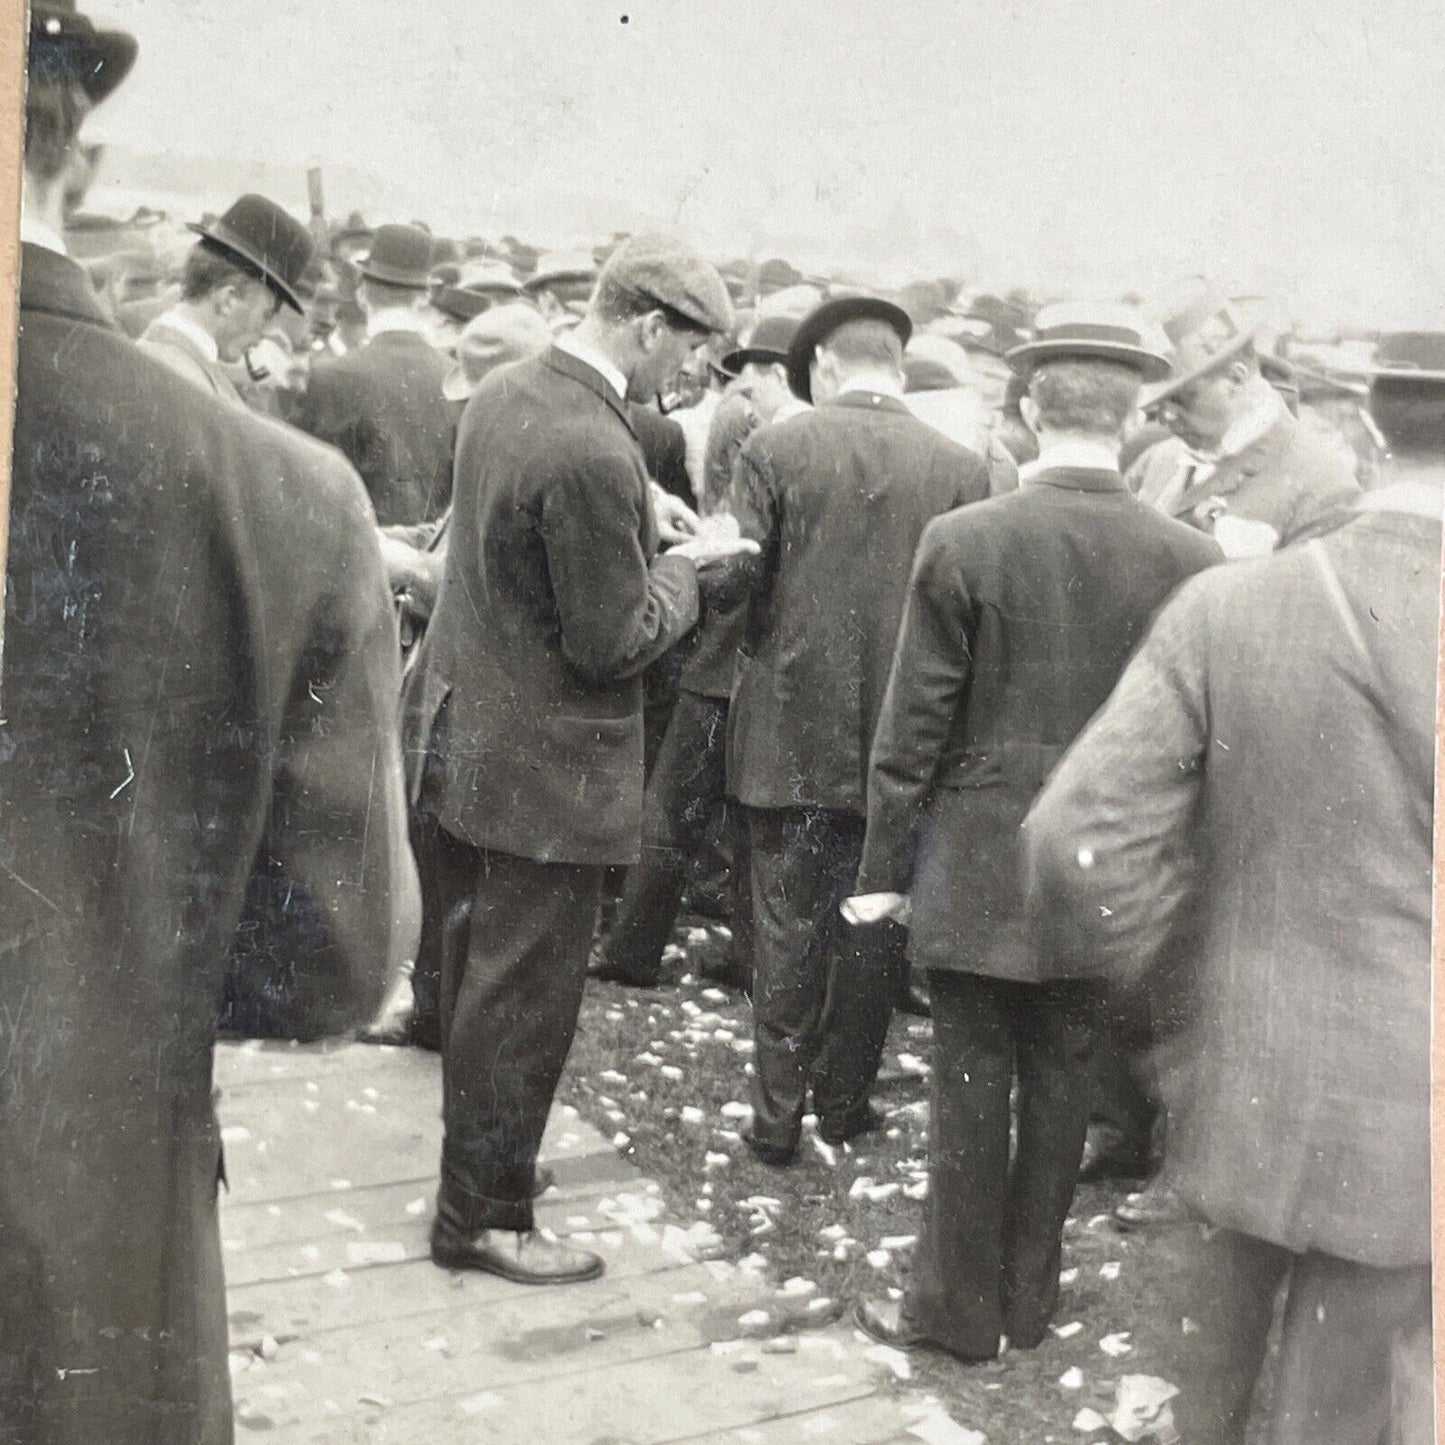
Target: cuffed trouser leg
513, 1012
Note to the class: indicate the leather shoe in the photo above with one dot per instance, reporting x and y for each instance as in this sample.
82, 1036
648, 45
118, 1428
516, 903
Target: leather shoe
524, 1258
601, 970
868, 1122
1107, 1156
1153, 1206
883, 1320
773, 1155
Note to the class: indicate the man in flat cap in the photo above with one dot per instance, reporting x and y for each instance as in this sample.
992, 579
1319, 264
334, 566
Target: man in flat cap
1021, 614
837, 499
247, 265
381, 405
202, 790
1252, 477
553, 602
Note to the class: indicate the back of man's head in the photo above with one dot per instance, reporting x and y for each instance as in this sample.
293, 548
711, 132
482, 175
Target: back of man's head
208, 268
865, 345
377, 295
1084, 396
54, 113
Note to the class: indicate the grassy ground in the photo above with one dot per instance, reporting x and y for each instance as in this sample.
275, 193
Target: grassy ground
662, 1071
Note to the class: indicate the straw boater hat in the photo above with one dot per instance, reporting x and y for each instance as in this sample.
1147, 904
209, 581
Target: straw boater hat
820, 323
264, 239
66, 46
1070, 330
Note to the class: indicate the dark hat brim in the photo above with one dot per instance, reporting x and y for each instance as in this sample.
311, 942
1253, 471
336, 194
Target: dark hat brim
223, 240
99, 60
557, 278
734, 361
394, 276
822, 321
1150, 365
460, 304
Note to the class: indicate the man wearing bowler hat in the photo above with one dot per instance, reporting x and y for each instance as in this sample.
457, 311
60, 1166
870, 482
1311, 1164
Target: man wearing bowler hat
382, 405
837, 499
1252, 477
203, 807
529, 737
1272, 846
246, 266
1021, 614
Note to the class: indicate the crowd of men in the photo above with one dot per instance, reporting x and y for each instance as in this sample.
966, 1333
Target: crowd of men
397, 634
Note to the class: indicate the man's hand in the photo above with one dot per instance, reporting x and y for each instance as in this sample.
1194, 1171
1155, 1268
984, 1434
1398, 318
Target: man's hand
875, 907
676, 521
715, 540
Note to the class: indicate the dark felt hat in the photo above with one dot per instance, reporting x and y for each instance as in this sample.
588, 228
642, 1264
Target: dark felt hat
1088, 332
767, 346
1410, 356
267, 240
399, 256
822, 321
478, 286
66, 46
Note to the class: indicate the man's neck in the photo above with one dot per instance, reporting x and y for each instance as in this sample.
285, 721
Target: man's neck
1075, 451
42, 214
192, 320
879, 383
395, 318
591, 344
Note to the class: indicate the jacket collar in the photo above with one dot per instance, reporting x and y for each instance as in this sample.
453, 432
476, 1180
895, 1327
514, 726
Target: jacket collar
572, 366
1078, 479
52, 282
869, 401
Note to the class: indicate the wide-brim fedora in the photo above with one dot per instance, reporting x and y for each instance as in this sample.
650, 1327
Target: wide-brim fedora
267, 240
1069, 331
767, 345
1208, 331
66, 45
822, 321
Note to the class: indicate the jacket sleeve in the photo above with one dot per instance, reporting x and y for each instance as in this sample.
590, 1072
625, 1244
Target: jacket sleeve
926, 687
1108, 844
333, 909
618, 611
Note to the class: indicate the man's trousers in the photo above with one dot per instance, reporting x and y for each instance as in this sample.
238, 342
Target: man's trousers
513, 968
685, 788
1355, 1354
822, 991
987, 1263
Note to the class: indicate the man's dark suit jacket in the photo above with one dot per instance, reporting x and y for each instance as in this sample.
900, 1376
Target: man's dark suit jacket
1021, 614
664, 451
552, 605
838, 498
382, 407
200, 668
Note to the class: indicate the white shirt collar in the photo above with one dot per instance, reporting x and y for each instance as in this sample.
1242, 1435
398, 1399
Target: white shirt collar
1077, 453
594, 358
395, 318
1418, 499
176, 320
1245, 430
789, 409
879, 382
34, 232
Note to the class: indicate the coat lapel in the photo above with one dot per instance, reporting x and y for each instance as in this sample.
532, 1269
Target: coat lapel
570, 366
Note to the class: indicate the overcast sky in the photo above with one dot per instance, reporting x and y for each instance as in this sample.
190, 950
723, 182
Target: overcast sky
1086, 146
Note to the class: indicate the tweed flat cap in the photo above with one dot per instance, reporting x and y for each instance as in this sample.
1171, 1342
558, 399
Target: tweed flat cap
664, 270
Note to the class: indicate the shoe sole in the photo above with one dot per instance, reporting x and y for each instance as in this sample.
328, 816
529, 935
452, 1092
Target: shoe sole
447, 1259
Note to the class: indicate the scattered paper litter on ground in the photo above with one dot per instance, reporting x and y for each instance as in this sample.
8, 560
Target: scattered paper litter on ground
1142, 1410
940, 1428
342, 1220
1088, 1421
1072, 1379
1116, 1345
894, 1361
1068, 1331
1110, 1270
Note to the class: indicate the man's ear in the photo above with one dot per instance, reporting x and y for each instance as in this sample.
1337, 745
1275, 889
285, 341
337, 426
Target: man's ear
1029, 410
